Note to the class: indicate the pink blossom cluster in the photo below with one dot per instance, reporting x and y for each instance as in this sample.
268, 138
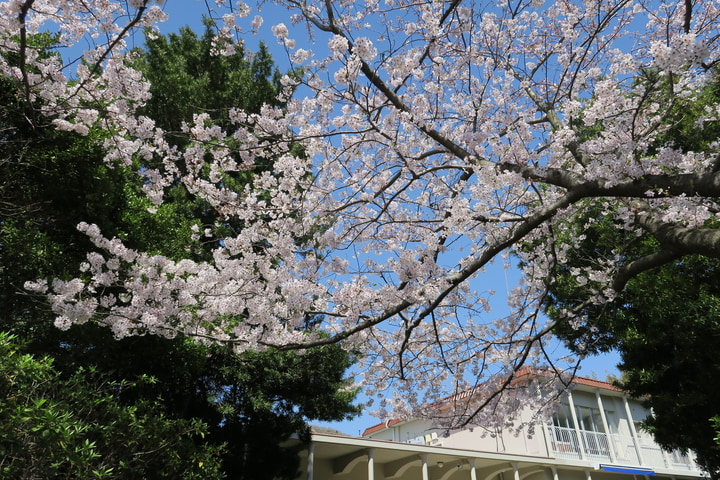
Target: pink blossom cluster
684, 50
437, 138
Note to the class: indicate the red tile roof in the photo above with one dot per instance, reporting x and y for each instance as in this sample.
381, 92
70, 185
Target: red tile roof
381, 426
590, 382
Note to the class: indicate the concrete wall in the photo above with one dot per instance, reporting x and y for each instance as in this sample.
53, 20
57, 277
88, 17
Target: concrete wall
526, 442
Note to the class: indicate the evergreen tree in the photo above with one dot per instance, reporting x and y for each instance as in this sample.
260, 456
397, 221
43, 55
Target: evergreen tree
241, 405
664, 322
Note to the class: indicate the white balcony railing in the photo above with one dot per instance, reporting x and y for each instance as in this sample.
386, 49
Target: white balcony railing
599, 447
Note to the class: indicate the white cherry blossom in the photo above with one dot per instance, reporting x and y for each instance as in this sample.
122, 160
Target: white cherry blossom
436, 138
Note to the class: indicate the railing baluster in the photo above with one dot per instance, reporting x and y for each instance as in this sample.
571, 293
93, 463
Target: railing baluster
565, 443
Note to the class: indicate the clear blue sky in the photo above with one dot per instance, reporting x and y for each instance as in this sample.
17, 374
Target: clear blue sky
190, 13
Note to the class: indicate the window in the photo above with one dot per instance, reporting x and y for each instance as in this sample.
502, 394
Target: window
590, 419
563, 417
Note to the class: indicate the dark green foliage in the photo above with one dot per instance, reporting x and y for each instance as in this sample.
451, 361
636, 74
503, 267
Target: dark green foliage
188, 78
268, 396
670, 353
74, 427
251, 402
666, 326
207, 399
49, 180
666, 321
682, 130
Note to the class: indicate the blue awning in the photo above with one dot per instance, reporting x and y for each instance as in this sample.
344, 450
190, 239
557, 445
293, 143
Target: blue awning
624, 469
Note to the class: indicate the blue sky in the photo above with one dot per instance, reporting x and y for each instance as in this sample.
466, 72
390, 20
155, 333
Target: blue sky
190, 13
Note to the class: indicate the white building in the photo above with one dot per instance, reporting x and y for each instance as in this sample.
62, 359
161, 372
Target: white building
594, 435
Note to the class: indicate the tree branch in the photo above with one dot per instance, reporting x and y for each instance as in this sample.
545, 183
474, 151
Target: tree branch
672, 237
648, 262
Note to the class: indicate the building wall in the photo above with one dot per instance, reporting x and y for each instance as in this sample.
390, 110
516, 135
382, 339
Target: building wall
499, 441
474, 438
350, 458
406, 431
614, 434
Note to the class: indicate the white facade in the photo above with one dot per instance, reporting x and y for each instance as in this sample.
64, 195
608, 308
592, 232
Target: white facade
593, 436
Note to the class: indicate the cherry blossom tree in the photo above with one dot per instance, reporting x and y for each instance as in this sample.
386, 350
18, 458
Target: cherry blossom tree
425, 141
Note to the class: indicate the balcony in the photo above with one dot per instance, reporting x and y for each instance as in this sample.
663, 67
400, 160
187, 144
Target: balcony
599, 447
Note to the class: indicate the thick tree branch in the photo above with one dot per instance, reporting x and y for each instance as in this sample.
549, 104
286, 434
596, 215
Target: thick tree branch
648, 262
673, 237
706, 184
453, 281
22, 16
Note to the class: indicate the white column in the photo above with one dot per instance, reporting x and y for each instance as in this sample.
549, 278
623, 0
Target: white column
666, 458
371, 464
578, 433
633, 432
606, 426
665, 453
473, 471
516, 471
554, 473
544, 440
310, 461
424, 467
